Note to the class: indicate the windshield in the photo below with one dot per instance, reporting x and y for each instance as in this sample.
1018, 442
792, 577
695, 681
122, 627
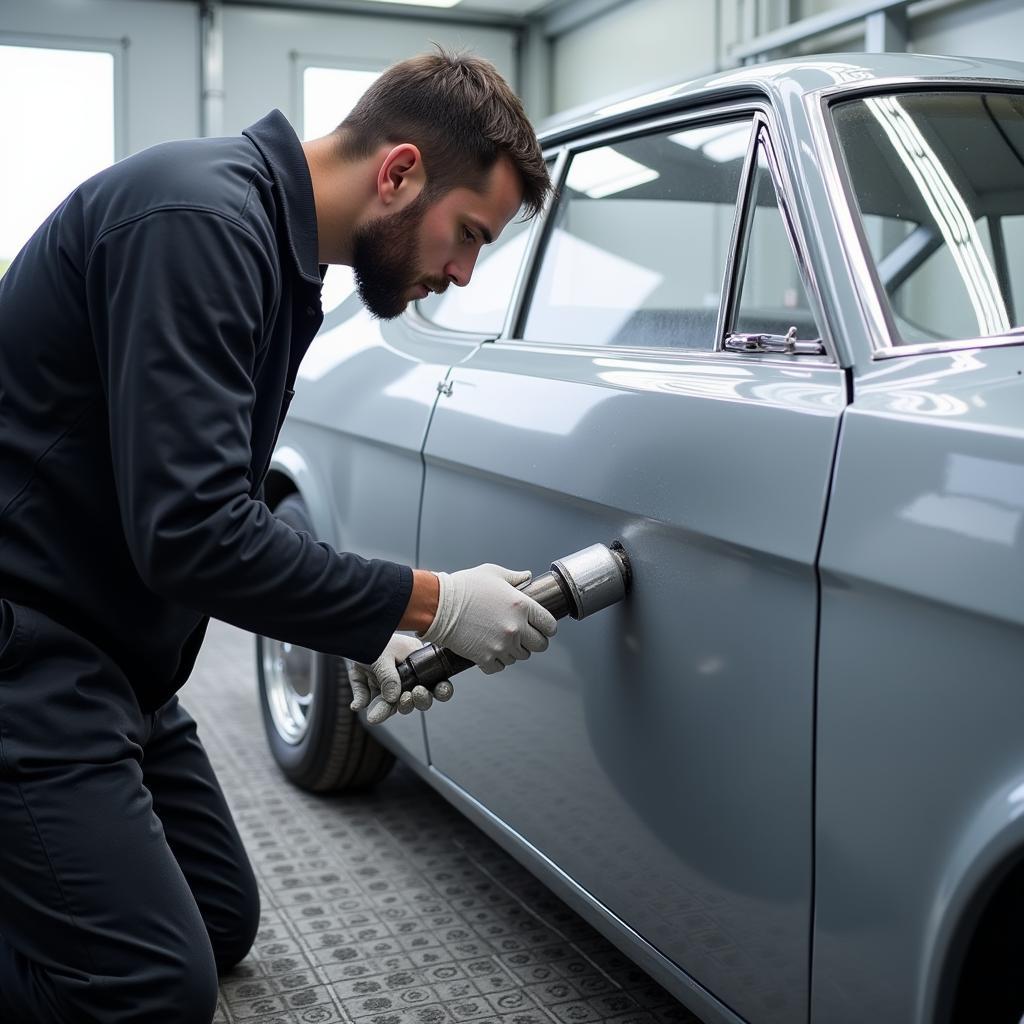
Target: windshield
938, 179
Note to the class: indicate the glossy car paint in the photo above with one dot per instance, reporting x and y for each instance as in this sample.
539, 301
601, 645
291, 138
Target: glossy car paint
920, 766
670, 737
352, 446
715, 475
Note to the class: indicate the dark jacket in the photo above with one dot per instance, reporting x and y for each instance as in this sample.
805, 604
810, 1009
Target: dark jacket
150, 334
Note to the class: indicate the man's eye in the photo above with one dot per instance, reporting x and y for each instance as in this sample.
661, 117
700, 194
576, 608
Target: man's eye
468, 235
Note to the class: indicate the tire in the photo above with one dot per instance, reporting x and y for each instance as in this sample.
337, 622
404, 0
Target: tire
318, 743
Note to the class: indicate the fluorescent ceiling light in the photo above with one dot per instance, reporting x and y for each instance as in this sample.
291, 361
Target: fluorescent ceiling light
718, 142
421, 3
602, 172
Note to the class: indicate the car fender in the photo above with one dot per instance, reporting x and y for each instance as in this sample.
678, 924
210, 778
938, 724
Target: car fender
289, 462
991, 841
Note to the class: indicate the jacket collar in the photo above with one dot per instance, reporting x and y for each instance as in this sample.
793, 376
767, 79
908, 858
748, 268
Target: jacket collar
276, 140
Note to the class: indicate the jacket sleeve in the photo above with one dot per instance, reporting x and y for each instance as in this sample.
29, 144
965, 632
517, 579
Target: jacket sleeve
177, 300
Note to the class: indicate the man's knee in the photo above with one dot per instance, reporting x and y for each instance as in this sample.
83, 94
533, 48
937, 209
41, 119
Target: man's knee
170, 990
189, 994
180, 986
233, 931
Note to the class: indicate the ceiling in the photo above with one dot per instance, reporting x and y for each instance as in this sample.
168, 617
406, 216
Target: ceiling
502, 10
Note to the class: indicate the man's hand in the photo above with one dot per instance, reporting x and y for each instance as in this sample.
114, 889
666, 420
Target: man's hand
482, 616
378, 685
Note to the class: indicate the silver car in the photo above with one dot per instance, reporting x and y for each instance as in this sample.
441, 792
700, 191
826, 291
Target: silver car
768, 337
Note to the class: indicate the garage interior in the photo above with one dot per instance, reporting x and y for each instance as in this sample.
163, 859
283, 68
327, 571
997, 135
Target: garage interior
389, 906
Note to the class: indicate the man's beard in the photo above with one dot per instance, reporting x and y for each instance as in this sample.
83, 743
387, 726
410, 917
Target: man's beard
382, 263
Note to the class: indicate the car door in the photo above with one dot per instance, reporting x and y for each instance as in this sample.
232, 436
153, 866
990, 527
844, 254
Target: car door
659, 753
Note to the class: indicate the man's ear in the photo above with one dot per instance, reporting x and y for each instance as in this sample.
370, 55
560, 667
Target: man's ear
401, 175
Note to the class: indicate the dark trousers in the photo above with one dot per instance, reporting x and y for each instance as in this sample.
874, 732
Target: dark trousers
124, 886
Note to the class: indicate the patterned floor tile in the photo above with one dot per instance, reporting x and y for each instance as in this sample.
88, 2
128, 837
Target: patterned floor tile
390, 907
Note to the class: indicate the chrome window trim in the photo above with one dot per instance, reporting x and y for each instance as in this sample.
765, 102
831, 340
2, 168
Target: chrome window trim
764, 133
680, 104
523, 285
680, 355
424, 325
739, 110
421, 325
762, 117
797, 240
746, 106
911, 83
875, 306
729, 291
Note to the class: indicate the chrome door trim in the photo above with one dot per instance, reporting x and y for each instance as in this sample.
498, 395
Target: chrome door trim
538, 235
875, 309
666, 355
957, 345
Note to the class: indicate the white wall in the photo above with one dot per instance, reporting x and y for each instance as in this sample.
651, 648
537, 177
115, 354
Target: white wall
806, 8
652, 41
991, 29
643, 41
262, 49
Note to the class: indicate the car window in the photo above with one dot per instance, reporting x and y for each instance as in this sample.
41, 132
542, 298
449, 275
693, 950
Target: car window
771, 294
481, 306
638, 246
938, 179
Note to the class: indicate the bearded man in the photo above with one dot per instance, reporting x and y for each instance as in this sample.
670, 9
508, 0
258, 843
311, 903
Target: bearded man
150, 335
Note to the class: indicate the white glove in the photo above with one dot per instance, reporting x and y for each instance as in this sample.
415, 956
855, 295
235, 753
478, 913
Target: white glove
379, 686
482, 616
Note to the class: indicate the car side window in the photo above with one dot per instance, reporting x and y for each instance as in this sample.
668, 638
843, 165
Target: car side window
480, 307
771, 294
638, 245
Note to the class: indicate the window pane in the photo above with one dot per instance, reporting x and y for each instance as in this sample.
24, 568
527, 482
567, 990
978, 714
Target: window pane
929, 172
772, 295
481, 306
638, 248
1013, 239
58, 122
328, 95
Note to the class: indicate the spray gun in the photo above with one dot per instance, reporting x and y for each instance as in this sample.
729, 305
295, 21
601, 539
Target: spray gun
578, 585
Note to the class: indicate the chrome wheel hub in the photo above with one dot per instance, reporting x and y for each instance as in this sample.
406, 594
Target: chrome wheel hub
288, 679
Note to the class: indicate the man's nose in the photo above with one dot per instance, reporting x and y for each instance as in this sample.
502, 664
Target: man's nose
460, 271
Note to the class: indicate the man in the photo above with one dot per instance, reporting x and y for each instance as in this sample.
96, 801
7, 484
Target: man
150, 334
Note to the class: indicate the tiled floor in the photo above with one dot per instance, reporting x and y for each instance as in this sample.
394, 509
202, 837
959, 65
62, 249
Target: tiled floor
390, 907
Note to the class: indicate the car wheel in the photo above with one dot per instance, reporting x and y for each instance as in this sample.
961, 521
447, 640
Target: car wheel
317, 742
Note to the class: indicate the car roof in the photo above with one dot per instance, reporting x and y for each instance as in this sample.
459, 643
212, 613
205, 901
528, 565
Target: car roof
777, 80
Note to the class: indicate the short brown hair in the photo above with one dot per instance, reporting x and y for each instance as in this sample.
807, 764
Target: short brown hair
461, 114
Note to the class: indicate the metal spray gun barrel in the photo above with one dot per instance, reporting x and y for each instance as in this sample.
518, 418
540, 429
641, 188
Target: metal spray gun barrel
578, 585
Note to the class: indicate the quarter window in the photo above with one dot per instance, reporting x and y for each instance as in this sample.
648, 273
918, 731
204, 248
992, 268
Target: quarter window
637, 250
771, 298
